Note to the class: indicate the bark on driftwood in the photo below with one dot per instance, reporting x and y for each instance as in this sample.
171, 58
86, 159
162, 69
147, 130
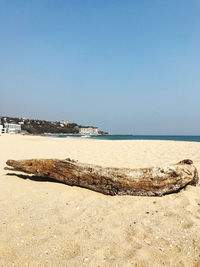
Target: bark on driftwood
155, 181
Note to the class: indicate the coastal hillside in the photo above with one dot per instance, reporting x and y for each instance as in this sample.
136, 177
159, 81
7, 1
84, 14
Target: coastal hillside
35, 126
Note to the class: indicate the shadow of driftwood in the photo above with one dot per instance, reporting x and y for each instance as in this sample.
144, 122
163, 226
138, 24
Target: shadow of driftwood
34, 178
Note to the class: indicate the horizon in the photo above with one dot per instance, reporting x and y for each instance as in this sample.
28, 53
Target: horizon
129, 67
114, 134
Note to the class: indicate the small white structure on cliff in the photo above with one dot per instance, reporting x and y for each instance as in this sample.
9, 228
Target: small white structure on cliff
64, 122
12, 127
89, 130
1, 128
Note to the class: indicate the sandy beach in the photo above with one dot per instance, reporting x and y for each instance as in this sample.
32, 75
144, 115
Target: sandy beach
46, 223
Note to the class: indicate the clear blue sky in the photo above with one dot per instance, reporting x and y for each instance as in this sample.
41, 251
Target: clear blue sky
126, 66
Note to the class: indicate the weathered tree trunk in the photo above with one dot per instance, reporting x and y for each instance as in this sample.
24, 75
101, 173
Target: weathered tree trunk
155, 181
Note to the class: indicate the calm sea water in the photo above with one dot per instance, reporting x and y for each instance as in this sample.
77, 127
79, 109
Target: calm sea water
133, 137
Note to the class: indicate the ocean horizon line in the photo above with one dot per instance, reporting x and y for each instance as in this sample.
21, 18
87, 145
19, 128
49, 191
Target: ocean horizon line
188, 138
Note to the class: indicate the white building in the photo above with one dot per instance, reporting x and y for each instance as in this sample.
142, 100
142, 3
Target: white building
1, 128
89, 130
12, 127
64, 123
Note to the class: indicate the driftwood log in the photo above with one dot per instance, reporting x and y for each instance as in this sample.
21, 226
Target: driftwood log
155, 181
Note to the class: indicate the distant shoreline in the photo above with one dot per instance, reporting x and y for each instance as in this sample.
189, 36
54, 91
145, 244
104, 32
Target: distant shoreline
184, 138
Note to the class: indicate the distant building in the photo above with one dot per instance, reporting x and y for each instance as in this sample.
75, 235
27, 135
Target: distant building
12, 127
1, 128
89, 130
64, 122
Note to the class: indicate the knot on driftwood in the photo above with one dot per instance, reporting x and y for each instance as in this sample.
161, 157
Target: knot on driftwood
186, 161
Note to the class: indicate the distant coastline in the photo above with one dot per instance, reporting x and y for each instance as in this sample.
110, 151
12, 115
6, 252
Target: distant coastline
185, 138
37, 127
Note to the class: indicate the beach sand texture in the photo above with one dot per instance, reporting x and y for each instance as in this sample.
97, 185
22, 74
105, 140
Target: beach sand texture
46, 223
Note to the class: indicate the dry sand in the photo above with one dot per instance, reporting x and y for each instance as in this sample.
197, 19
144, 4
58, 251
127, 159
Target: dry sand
46, 223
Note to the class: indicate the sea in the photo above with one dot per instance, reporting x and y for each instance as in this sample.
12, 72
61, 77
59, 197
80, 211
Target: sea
132, 137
